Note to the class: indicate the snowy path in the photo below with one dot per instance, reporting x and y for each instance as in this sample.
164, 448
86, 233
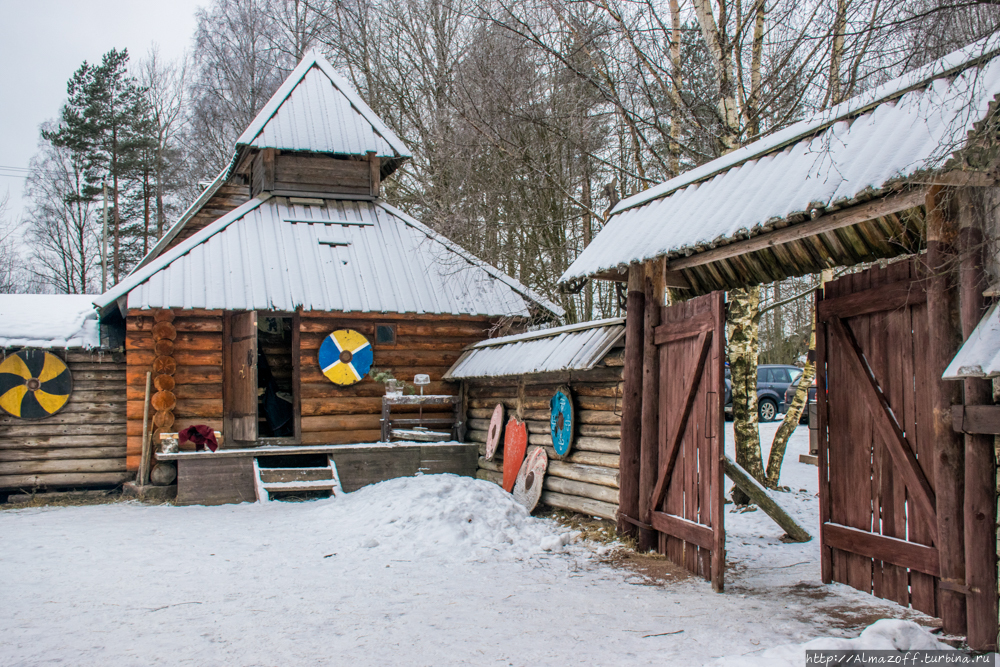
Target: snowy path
420, 571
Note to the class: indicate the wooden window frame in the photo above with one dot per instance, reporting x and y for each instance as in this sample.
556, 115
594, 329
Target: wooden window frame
395, 335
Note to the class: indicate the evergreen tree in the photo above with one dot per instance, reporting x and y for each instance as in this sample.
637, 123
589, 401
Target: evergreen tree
105, 120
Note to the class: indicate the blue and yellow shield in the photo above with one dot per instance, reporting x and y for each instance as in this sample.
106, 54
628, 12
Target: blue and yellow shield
345, 357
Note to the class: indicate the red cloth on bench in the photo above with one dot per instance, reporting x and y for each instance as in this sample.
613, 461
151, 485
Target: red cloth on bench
202, 436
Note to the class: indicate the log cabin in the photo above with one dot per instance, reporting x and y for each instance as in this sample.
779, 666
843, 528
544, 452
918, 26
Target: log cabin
264, 309
522, 372
62, 386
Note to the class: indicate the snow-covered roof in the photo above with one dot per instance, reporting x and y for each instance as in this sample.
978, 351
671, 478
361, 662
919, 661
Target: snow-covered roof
337, 256
48, 321
979, 356
317, 110
853, 152
576, 347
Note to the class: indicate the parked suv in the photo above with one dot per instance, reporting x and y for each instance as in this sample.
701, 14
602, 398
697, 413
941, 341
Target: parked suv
772, 381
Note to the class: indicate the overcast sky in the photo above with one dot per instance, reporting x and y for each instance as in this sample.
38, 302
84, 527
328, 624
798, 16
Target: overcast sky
42, 42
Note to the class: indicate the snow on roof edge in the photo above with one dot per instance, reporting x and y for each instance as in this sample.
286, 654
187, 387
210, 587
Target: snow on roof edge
955, 61
67, 321
513, 283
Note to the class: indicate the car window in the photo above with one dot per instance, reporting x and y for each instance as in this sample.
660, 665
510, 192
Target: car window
780, 375
796, 373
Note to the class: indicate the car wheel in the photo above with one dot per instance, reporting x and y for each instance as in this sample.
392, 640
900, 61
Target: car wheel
767, 410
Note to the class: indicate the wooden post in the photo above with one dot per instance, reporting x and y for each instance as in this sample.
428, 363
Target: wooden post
949, 463
654, 288
144, 455
375, 172
628, 471
980, 463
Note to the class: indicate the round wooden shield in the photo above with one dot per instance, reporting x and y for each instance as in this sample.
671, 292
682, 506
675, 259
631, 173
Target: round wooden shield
493, 435
34, 384
515, 441
528, 487
345, 357
561, 421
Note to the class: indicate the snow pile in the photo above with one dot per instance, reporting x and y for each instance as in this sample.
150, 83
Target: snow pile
442, 516
48, 321
884, 635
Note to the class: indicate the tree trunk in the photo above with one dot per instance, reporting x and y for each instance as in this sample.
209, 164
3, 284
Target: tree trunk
741, 329
792, 417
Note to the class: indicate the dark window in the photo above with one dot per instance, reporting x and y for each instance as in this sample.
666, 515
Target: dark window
385, 334
780, 375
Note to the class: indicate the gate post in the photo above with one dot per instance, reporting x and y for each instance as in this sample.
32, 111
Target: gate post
949, 467
654, 286
980, 464
628, 473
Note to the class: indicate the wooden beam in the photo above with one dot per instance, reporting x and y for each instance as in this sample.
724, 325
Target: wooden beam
893, 296
910, 555
977, 419
649, 447
689, 328
885, 422
631, 428
750, 486
957, 178
980, 504
375, 172
944, 339
689, 531
827, 223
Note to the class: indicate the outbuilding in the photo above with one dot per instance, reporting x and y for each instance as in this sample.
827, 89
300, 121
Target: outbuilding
62, 394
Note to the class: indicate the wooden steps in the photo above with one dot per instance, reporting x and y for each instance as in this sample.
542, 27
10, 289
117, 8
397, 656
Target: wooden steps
271, 481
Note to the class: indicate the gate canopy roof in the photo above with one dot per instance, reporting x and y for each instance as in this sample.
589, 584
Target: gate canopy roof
865, 151
276, 253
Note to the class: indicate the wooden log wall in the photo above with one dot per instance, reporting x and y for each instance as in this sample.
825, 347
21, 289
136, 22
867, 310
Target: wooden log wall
424, 344
226, 198
330, 414
81, 445
586, 481
196, 354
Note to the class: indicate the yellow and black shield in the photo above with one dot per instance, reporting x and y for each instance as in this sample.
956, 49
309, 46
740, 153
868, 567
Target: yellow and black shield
34, 384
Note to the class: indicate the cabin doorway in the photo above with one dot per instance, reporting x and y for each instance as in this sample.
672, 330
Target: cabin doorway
260, 389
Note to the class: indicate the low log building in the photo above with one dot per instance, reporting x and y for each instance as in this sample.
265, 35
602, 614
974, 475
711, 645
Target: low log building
522, 372
62, 394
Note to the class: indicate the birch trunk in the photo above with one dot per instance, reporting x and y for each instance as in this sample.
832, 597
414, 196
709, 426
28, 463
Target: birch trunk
792, 417
741, 331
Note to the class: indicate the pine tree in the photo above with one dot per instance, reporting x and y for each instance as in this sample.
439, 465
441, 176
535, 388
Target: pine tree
104, 120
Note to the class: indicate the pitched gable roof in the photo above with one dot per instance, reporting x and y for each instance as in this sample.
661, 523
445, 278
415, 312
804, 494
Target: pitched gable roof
341, 256
317, 110
857, 151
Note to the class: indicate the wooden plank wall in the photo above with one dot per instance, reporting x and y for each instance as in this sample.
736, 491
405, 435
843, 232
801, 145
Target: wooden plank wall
198, 353
81, 445
227, 198
424, 344
586, 481
330, 414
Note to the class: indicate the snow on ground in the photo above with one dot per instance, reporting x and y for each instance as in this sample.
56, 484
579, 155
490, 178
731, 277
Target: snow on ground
432, 570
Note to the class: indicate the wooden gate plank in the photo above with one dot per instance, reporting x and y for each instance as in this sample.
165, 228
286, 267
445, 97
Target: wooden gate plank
677, 434
825, 554
904, 458
689, 531
905, 554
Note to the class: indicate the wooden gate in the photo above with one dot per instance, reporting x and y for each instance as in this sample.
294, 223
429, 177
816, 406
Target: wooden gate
687, 501
239, 386
877, 505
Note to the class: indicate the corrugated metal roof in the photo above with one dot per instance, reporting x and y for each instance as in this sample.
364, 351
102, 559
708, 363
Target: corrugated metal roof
850, 153
316, 109
577, 347
48, 321
340, 256
979, 356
